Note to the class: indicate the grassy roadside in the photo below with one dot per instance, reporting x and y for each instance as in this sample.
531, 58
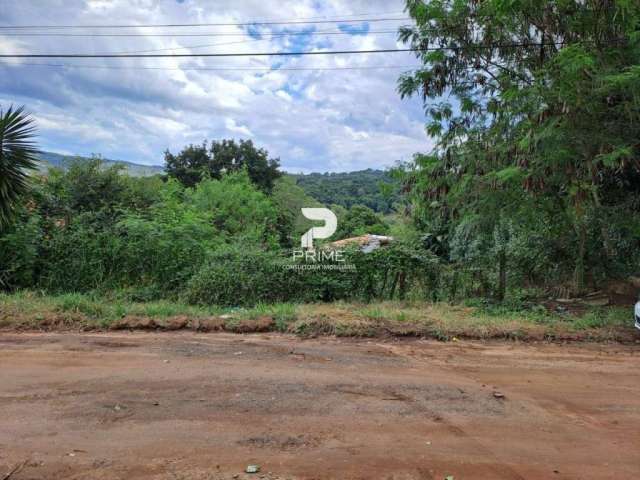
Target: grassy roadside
32, 311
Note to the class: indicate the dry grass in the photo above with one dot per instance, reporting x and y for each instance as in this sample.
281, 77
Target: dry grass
30, 310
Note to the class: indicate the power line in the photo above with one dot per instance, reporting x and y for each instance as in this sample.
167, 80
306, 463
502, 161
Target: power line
248, 40
191, 47
241, 24
268, 54
201, 34
217, 68
236, 42
183, 55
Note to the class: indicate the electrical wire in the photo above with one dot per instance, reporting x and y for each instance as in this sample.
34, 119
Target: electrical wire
201, 34
240, 24
268, 54
216, 68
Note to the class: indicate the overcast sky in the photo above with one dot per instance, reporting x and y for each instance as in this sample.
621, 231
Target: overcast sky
330, 120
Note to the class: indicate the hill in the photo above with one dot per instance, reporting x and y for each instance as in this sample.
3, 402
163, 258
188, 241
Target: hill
376, 189
51, 159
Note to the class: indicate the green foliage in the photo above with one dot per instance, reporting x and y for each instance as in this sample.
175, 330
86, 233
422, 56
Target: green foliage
542, 142
360, 220
236, 208
194, 163
19, 245
534, 180
375, 189
92, 228
88, 186
80, 256
18, 155
236, 275
164, 250
289, 199
144, 239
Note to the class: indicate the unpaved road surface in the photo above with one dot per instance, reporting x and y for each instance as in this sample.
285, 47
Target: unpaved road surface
204, 406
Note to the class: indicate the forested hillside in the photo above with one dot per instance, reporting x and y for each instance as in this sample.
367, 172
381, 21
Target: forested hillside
51, 159
376, 189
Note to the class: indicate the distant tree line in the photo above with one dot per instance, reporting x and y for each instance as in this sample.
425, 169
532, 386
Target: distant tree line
376, 189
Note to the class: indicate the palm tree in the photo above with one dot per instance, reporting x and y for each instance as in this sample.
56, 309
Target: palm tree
18, 155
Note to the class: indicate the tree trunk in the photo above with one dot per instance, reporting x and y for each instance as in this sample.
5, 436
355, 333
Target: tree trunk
384, 284
393, 286
606, 240
578, 274
402, 285
502, 274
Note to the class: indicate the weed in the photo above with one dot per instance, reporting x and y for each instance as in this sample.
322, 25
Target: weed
374, 313
442, 321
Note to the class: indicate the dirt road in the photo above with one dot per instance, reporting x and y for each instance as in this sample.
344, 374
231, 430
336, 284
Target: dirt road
204, 406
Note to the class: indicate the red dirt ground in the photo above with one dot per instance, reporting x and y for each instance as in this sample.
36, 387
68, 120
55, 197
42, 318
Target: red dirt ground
204, 406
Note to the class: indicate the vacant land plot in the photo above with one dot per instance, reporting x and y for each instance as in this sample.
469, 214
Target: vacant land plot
204, 406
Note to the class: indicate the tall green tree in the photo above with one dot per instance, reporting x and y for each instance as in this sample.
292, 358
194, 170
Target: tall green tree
544, 101
226, 156
188, 166
289, 199
18, 155
359, 220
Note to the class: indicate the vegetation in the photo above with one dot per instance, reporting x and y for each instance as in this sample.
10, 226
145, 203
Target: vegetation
196, 162
536, 165
91, 228
375, 189
30, 310
49, 160
359, 220
533, 188
17, 157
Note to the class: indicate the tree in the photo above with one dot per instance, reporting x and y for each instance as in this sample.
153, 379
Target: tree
545, 103
360, 220
18, 155
189, 165
229, 156
289, 199
90, 185
238, 209
194, 162
376, 189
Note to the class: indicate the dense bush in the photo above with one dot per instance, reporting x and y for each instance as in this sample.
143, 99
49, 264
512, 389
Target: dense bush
236, 275
225, 242
19, 245
93, 228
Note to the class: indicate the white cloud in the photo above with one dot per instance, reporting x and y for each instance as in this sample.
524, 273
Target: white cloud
59, 123
231, 125
313, 120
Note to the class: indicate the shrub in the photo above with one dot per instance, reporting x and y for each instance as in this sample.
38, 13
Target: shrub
236, 276
19, 247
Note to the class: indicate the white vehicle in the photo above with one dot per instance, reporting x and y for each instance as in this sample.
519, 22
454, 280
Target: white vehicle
637, 314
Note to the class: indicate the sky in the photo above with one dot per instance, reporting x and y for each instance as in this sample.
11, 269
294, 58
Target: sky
134, 109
